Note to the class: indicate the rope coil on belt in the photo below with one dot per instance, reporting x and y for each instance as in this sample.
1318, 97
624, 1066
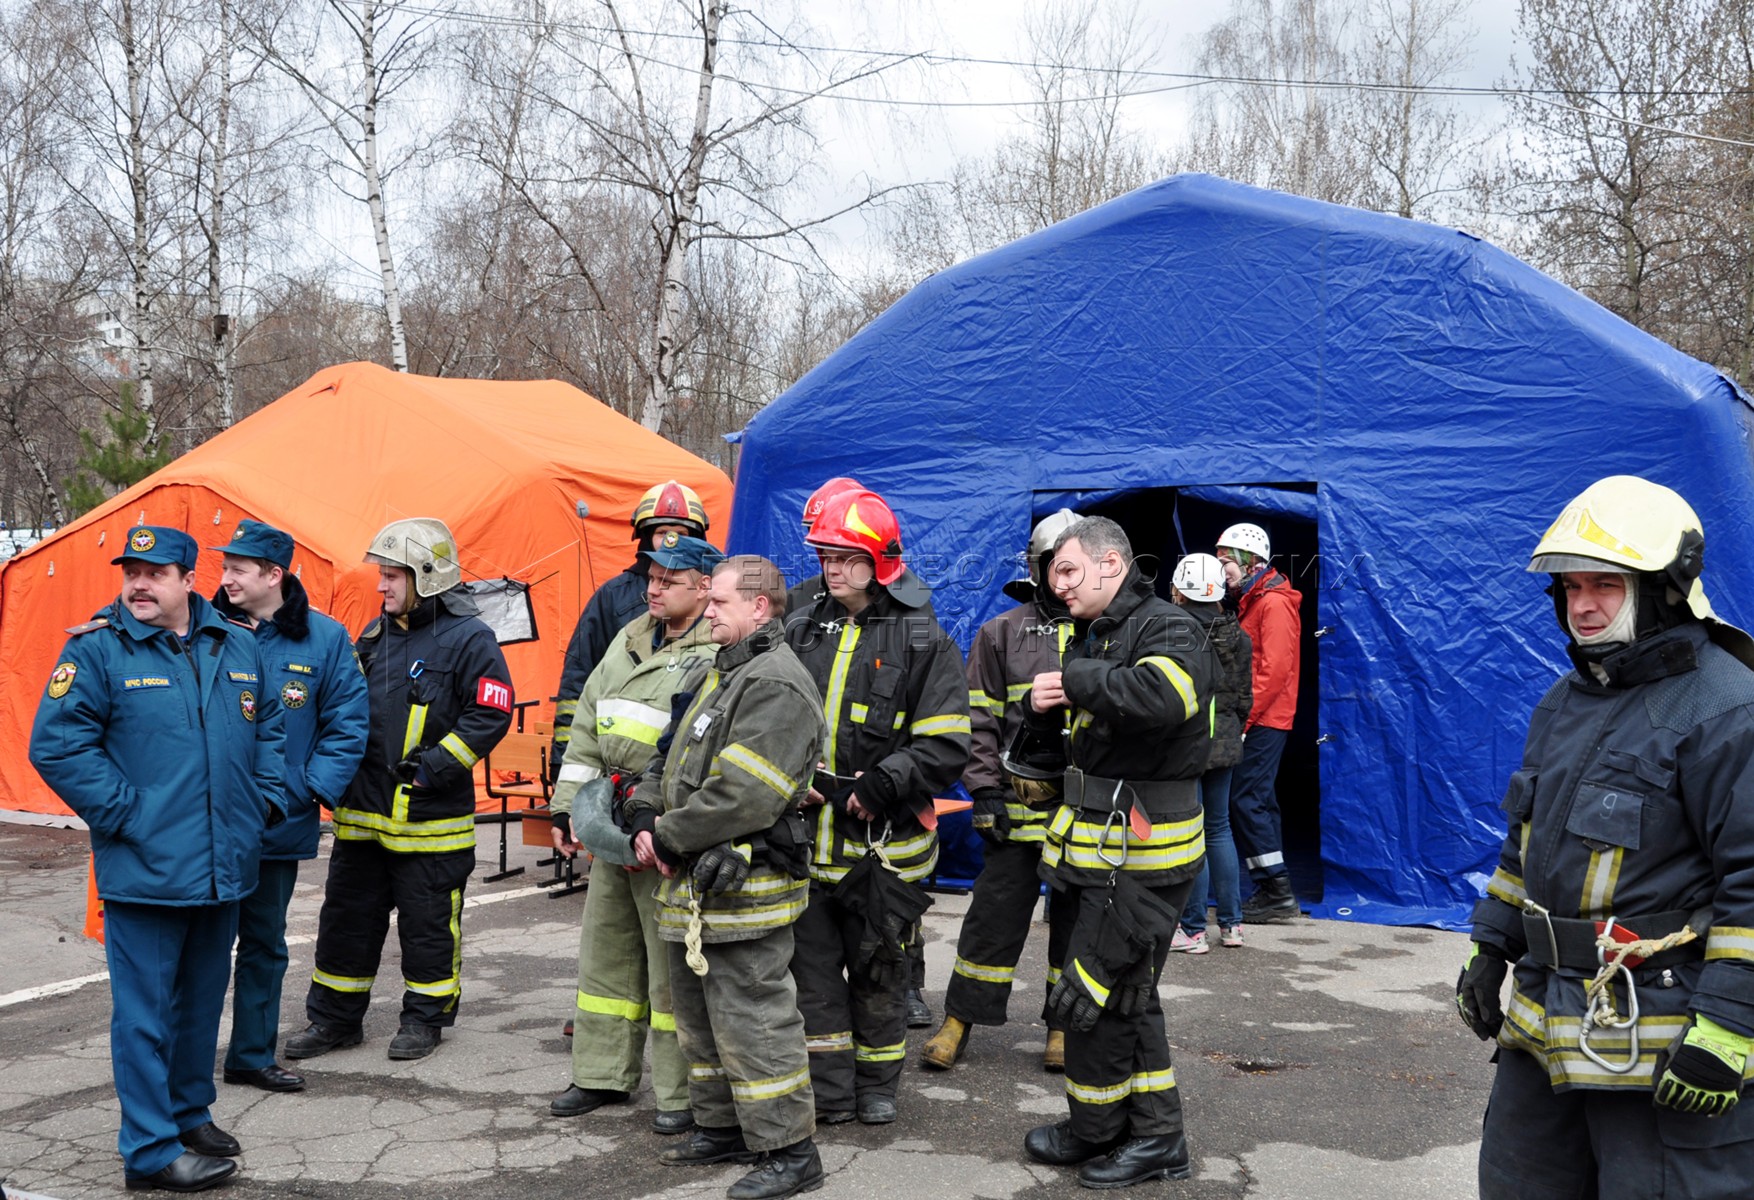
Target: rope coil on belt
691, 936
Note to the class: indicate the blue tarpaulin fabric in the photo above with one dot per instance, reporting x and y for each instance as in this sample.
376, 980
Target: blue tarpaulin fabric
1446, 398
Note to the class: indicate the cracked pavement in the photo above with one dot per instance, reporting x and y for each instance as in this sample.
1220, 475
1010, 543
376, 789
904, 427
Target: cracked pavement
1322, 1060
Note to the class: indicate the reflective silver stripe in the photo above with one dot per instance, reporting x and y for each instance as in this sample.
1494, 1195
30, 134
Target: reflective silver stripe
984, 974
460, 750
1274, 859
770, 1089
742, 756
618, 707
578, 773
829, 1043
1729, 941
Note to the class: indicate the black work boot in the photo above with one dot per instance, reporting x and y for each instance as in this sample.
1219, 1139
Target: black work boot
318, 1038
710, 1145
1162, 1157
797, 1168
919, 1013
415, 1041
1272, 901
576, 1101
1058, 1146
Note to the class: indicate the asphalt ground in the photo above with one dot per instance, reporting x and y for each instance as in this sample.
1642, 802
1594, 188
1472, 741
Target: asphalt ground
1324, 1059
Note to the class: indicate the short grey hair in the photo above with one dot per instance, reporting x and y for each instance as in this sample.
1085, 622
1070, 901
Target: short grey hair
1098, 535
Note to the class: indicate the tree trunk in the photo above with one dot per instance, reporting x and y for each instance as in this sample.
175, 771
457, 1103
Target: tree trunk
674, 240
374, 186
139, 256
222, 337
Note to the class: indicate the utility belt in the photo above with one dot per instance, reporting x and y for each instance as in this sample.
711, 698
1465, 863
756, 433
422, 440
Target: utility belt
1156, 798
1034, 793
1570, 944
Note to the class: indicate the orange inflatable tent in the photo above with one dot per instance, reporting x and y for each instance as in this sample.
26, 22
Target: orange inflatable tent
504, 464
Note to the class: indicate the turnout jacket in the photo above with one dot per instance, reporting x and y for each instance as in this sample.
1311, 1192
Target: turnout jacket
170, 752
610, 608
1140, 679
1269, 613
439, 690
739, 758
627, 703
308, 664
1632, 800
1234, 696
1009, 651
895, 700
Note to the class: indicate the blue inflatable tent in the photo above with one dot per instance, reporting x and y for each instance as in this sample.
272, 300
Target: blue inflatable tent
1404, 407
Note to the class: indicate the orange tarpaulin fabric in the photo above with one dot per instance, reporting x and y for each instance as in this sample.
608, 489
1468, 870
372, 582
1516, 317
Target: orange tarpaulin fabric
357, 446
94, 905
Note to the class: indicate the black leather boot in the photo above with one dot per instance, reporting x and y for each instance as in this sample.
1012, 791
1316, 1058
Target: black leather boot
708, 1145
320, 1039
1162, 1157
188, 1172
797, 1168
1058, 1146
1272, 901
415, 1041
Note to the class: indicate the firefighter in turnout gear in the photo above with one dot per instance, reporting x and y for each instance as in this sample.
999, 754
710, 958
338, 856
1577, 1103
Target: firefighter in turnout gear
624, 969
717, 814
669, 507
1010, 810
1122, 851
441, 698
896, 705
1623, 901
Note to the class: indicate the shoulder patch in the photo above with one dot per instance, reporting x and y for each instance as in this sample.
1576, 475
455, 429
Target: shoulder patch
94, 623
61, 680
372, 630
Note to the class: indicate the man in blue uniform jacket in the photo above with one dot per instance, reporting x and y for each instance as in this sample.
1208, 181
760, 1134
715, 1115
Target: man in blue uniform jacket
309, 665
156, 728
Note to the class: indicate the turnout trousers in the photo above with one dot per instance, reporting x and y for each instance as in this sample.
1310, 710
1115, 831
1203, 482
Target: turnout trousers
994, 932
168, 972
260, 969
855, 1029
1119, 1079
1539, 1144
741, 1033
624, 991
1254, 803
366, 882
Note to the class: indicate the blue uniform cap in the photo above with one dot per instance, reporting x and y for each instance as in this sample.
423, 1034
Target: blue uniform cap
679, 552
254, 539
159, 544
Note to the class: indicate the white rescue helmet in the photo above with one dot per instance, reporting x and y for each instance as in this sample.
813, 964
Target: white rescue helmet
424, 546
1245, 536
1047, 531
1199, 577
1627, 524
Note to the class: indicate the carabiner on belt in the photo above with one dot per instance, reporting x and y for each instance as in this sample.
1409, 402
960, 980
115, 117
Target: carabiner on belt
1595, 1017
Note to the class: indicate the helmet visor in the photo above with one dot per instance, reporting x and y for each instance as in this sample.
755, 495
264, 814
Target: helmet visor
1556, 564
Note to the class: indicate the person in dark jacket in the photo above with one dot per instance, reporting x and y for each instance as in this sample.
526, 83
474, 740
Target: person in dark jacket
441, 698
668, 507
896, 707
307, 659
157, 730
1198, 586
1133, 700
1624, 892
1010, 811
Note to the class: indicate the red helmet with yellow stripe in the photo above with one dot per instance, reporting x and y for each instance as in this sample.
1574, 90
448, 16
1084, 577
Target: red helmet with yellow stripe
670, 503
822, 495
860, 521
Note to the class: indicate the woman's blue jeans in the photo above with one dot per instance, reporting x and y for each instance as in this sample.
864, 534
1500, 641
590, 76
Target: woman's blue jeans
1222, 873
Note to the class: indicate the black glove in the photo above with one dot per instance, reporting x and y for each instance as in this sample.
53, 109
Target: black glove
1477, 990
877, 794
722, 868
1072, 1006
991, 819
562, 822
408, 768
889, 966
1132, 995
275, 815
1701, 1070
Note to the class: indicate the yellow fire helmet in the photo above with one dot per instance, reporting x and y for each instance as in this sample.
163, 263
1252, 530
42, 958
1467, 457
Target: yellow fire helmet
1627, 524
425, 546
670, 503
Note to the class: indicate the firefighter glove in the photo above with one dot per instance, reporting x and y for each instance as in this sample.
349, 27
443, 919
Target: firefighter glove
562, 822
1077, 999
1132, 995
991, 820
1701, 1070
722, 868
406, 770
877, 794
1477, 990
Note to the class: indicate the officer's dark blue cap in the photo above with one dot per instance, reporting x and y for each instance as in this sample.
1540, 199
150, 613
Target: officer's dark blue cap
253, 539
678, 552
159, 544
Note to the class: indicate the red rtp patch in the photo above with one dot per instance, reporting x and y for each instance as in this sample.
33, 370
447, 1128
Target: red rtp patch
491, 693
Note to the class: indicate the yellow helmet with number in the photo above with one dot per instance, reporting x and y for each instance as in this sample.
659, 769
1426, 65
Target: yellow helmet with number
1630, 525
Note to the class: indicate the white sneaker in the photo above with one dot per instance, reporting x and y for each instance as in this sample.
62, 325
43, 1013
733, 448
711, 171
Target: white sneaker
1230, 936
1188, 943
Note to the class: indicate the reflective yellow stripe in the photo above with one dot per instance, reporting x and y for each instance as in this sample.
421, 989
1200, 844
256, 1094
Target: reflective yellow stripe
1730, 941
900, 719
1178, 678
1096, 990
770, 1089
1154, 1081
1080, 843
742, 756
343, 983
1507, 887
984, 974
940, 726
456, 942
562, 733
1092, 1094
460, 750
912, 858
609, 1006
837, 688
873, 1054
1598, 883
663, 1022
443, 987
565, 708
1053, 976
828, 1043
858, 712
416, 729
763, 916
621, 717
706, 1072
1018, 690
408, 845
382, 824
982, 700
